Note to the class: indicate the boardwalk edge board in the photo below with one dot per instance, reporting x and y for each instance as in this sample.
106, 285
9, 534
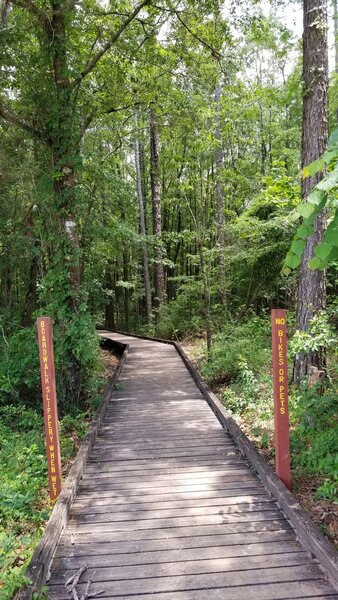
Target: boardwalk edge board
307, 532
38, 568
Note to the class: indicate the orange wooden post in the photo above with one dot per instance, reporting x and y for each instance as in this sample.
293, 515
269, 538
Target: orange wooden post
45, 336
280, 385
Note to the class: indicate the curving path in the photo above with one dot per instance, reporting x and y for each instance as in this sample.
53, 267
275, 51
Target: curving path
168, 509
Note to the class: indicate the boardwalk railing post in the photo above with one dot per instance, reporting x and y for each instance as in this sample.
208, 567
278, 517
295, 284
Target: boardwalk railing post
45, 337
280, 385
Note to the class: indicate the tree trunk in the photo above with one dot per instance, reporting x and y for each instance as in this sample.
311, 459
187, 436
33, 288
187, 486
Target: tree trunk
126, 291
110, 305
64, 140
220, 194
155, 178
206, 298
312, 284
143, 232
335, 17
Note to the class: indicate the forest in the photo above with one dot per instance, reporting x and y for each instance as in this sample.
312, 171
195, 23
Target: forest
168, 168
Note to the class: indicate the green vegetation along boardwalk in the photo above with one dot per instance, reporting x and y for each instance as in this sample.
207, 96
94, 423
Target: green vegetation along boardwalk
168, 509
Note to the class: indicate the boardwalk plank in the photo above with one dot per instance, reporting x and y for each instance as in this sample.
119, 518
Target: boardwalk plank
243, 528
171, 556
232, 541
226, 503
208, 581
187, 567
310, 590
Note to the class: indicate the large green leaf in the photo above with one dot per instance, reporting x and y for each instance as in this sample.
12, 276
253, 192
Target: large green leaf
329, 182
298, 246
292, 260
317, 263
333, 140
331, 236
333, 256
304, 231
316, 197
330, 156
323, 250
306, 210
315, 167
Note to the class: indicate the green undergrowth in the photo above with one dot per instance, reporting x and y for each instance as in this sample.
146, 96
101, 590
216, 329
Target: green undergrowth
24, 503
239, 370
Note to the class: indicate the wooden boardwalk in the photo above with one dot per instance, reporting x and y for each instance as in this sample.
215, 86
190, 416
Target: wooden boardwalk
168, 510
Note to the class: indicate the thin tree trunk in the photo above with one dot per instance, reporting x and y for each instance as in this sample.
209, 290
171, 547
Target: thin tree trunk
155, 178
220, 194
206, 299
126, 291
312, 284
143, 232
110, 306
335, 17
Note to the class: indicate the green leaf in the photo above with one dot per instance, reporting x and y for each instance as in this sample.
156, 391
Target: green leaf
286, 271
330, 155
323, 250
331, 235
297, 247
329, 182
306, 210
304, 231
316, 263
292, 260
333, 140
333, 256
316, 197
312, 169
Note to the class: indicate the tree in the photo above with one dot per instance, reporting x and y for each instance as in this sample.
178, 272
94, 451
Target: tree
143, 231
312, 286
220, 192
51, 105
155, 178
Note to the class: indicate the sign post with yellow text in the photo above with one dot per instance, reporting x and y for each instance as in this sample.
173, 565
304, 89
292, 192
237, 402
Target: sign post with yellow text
45, 336
280, 384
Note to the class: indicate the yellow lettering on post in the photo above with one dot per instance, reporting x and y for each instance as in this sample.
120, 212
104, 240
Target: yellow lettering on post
280, 321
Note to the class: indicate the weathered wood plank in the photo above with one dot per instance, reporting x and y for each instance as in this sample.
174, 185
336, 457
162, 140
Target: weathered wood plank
77, 536
108, 444
228, 513
127, 454
130, 469
97, 505
228, 564
312, 590
231, 541
147, 487
234, 472
209, 581
171, 556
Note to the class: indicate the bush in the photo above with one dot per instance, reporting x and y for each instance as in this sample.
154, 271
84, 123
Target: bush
76, 345
314, 441
238, 349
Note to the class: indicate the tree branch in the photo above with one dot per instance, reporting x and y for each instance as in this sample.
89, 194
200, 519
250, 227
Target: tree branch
215, 52
93, 62
41, 15
14, 119
126, 107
